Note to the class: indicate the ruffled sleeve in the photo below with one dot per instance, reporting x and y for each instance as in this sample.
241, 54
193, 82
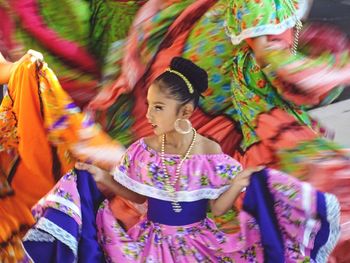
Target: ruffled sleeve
130, 171
202, 176
128, 163
309, 80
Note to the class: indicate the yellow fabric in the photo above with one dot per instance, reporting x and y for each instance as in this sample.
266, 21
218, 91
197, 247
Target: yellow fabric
72, 130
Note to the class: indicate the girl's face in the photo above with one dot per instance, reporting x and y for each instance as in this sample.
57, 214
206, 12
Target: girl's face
162, 110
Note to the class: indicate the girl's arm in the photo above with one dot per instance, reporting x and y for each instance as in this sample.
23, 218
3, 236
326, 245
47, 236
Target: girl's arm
108, 186
5, 69
225, 201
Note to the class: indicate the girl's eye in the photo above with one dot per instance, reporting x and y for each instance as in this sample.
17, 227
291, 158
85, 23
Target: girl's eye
158, 108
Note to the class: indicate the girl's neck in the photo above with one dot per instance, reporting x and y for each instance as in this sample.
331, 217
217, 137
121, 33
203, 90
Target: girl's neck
177, 141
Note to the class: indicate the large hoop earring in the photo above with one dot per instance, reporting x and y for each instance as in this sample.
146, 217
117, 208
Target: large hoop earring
179, 129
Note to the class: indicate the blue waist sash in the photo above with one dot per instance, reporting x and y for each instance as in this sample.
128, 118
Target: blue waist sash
162, 212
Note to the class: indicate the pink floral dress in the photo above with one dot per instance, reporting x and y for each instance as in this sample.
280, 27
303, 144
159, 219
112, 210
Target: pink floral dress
158, 237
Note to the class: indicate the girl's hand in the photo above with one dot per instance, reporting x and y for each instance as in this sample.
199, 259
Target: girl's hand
31, 55
243, 178
103, 179
7, 68
224, 202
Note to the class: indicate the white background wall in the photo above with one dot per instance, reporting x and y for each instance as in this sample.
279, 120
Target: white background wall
336, 117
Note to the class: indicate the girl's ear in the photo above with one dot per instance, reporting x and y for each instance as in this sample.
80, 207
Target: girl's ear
186, 111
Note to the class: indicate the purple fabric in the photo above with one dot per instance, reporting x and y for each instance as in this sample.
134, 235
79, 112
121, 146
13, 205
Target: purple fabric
43, 252
90, 197
323, 235
162, 212
89, 250
259, 202
59, 122
266, 229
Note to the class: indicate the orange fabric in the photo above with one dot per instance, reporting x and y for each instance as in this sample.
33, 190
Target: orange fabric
13, 251
74, 131
15, 218
13, 215
125, 212
274, 129
34, 175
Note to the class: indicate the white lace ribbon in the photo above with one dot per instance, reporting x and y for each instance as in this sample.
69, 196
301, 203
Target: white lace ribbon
181, 196
47, 231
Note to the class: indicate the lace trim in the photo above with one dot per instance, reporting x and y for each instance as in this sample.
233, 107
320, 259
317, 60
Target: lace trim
63, 201
58, 233
269, 29
181, 196
38, 236
310, 222
333, 217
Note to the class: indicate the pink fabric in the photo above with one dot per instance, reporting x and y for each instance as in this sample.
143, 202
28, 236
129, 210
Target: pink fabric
198, 242
142, 164
7, 26
315, 80
153, 242
64, 196
295, 206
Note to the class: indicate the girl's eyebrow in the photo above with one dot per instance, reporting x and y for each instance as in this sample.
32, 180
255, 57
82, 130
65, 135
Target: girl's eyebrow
158, 102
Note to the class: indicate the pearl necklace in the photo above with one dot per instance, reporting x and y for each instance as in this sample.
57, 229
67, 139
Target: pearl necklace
170, 186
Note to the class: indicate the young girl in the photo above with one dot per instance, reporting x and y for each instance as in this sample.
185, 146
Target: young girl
180, 173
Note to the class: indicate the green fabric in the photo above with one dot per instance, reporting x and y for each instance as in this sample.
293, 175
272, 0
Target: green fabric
58, 65
296, 160
110, 21
113, 62
94, 25
69, 18
238, 88
120, 120
152, 32
260, 17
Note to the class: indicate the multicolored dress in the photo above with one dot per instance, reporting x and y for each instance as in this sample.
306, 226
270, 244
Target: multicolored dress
241, 95
284, 220
270, 127
258, 115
